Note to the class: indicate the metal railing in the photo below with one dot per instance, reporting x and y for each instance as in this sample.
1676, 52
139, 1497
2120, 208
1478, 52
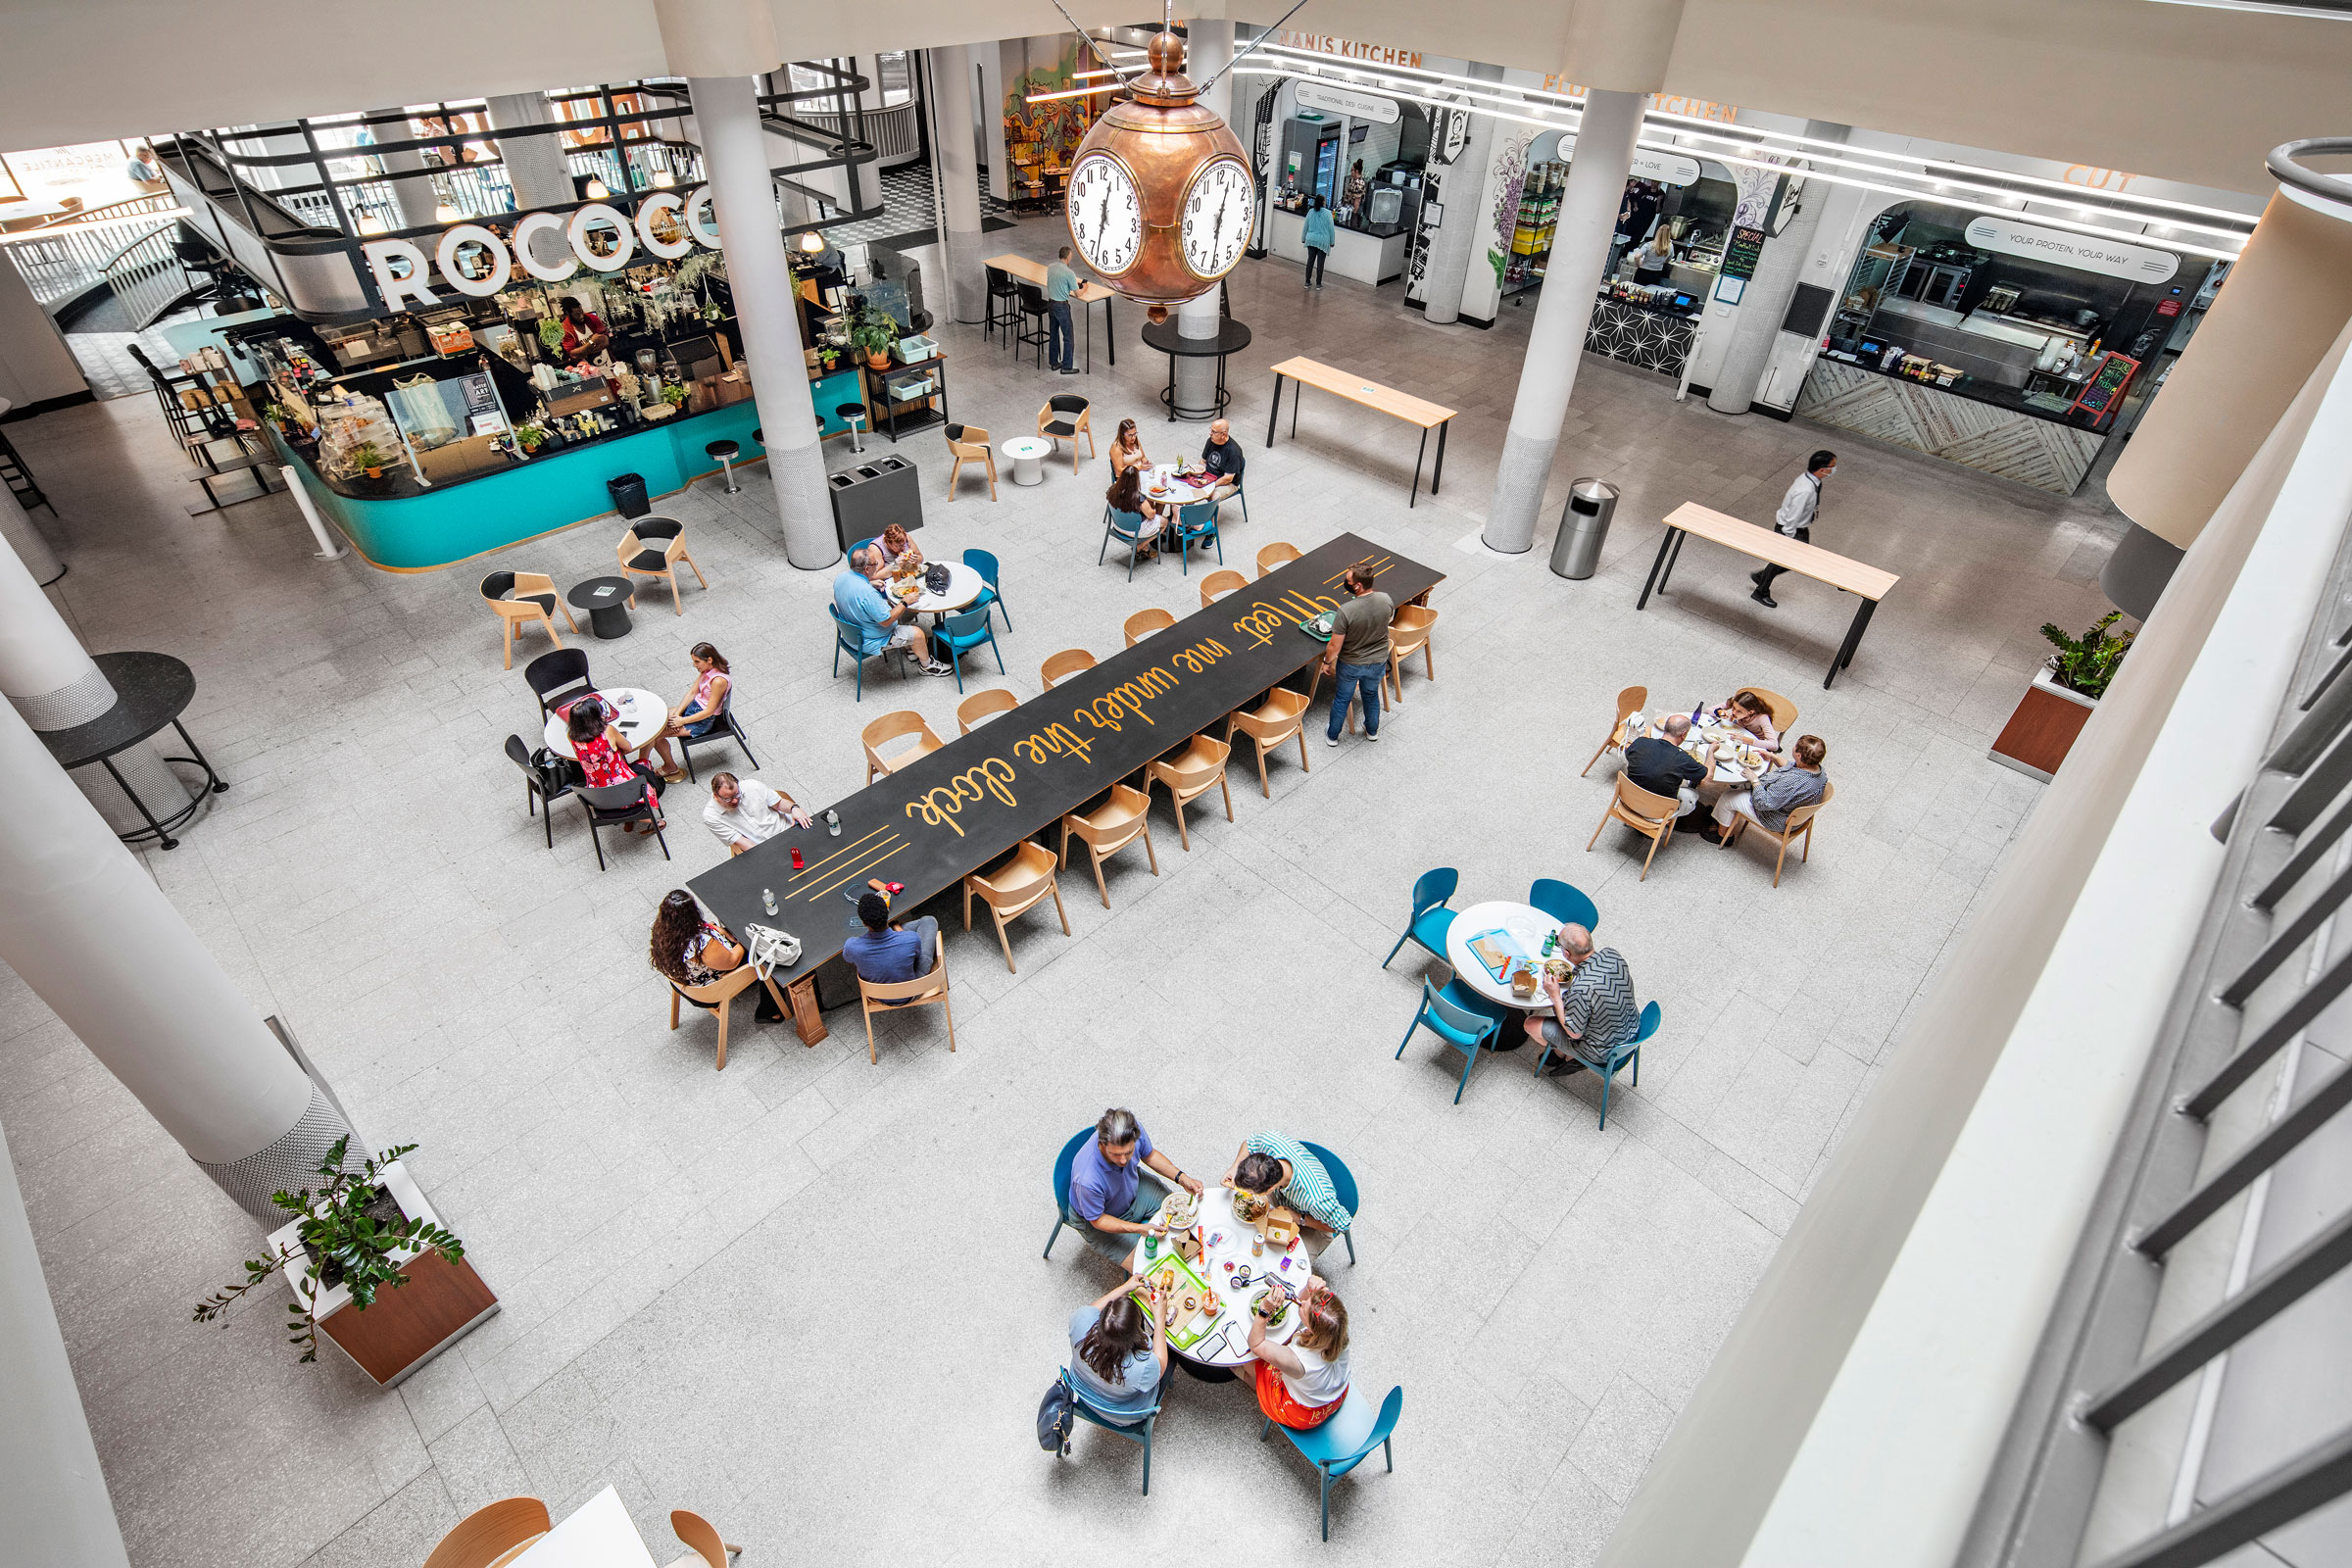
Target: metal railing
896, 131
63, 262
148, 277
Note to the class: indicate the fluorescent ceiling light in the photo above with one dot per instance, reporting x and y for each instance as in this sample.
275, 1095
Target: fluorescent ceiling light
1432, 103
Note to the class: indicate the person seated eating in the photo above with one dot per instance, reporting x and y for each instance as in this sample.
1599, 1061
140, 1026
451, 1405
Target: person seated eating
743, 812
899, 552
886, 952
1127, 450
1660, 764
1595, 1015
1119, 1349
1222, 458
880, 624
602, 751
1106, 1187
1302, 1384
1782, 790
1126, 495
690, 952
699, 714
1745, 711
1279, 1168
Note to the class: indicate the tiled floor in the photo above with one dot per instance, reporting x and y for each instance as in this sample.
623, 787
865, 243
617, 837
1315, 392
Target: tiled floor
746, 1292
908, 210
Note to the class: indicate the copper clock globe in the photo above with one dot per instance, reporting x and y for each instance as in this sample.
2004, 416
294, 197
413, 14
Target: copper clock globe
1161, 198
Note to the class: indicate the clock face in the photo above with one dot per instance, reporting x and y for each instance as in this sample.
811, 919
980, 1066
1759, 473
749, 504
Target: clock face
1106, 216
1216, 218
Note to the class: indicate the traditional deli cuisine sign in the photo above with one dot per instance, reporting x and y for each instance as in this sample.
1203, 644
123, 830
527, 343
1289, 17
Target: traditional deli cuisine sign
473, 259
2085, 252
1366, 106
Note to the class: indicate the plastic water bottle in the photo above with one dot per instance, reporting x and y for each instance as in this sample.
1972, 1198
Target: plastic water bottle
1551, 940
832, 822
768, 899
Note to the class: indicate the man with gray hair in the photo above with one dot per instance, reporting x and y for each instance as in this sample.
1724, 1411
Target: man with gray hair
1594, 1016
881, 625
1106, 1189
1660, 764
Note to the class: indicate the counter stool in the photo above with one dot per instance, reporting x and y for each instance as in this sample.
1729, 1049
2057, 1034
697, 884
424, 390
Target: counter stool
726, 452
1004, 307
849, 414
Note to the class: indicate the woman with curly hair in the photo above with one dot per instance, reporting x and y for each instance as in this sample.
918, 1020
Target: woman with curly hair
689, 951
1120, 1351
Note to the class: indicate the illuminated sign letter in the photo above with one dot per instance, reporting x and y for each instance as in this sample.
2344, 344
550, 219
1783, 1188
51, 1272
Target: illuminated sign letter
397, 290
502, 266
525, 229
651, 212
624, 242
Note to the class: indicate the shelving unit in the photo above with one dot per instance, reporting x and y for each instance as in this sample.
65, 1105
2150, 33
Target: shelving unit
1538, 220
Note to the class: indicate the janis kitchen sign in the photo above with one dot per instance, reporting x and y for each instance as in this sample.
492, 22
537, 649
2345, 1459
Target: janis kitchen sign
2083, 252
473, 259
1366, 106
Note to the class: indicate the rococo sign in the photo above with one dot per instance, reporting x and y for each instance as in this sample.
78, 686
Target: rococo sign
663, 225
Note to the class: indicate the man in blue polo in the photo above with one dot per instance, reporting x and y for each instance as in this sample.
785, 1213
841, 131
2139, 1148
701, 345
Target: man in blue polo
1061, 343
879, 625
1106, 1190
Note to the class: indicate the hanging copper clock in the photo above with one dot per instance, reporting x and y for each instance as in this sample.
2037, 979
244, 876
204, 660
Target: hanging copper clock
1160, 199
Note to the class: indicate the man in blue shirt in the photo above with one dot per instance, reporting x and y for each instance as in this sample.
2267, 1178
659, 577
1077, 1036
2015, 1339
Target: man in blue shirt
879, 624
1061, 344
888, 954
1106, 1189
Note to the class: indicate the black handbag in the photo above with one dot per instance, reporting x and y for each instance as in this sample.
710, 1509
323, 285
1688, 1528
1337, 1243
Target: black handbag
936, 577
1057, 1418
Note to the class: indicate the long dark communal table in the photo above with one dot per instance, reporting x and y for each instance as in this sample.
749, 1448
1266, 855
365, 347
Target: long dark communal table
966, 805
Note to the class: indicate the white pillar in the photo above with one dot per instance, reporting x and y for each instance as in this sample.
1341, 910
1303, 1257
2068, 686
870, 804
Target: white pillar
1756, 324
416, 199
18, 531
52, 1492
1207, 53
726, 110
535, 164
1555, 341
953, 140
1460, 237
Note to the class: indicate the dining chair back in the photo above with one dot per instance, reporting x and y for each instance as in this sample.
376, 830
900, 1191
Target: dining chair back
1062, 1163
1629, 702
890, 727
1627, 1054
1343, 1188
1012, 889
968, 443
961, 633
1431, 919
614, 805
1649, 814
1032, 301
1276, 555
727, 728
1069, 662
1346, 1439
701, 1537
985, 564
1110, 828
1800, 826
536, 789
1127, 526
1784, 711
1197, 524
1134, 1427
1280, 717
525, 599
1066, 417
848, 638
1220, 582
1144, 622
490, 1532
982, 706
653, 546
1453, 1016
921, 991
557, 678
1563, 902
720, 995
1409, 634
1189, 775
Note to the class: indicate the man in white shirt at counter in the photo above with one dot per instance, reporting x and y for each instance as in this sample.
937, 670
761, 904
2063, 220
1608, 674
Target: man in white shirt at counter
1798, 507
744, 812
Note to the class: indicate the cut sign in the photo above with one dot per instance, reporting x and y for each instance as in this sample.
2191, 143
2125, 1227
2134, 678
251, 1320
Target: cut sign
477, 261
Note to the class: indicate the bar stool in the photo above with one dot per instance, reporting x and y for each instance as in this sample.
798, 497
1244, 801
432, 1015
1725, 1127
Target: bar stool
1004, 307
849, 414
726, 452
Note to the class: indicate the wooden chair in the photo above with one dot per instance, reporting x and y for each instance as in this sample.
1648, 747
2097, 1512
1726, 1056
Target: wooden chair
968, 443
1629, 702
1012, 889
890, 727
1220, 582
526, 597
1117, 823
1190, 776
653, 548
1144, 622
1784, 712
707, 1551
983, 705
492, 1534
916, 993
1408, 634
721, 994
1275, 555
1059, 667
1800, 826
1283, 716
1064, 419
1650, 815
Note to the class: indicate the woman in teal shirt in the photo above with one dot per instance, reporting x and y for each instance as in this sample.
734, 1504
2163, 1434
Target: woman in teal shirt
1321, 235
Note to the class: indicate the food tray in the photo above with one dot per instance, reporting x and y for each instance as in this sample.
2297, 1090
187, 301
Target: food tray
1188, 1327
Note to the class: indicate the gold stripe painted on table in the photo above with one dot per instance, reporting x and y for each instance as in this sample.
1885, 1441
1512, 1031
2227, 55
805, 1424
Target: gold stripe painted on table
845, 849
900, 848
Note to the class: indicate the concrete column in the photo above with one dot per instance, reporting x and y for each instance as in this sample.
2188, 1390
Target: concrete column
1555, 340
1208, 51
1755, 323
52, 1492
416, 199
735, 156
31, 548
953, 143
535, 164
1202, 317
1461, 237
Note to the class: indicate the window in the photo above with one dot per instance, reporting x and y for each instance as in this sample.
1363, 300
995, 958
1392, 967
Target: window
895, 76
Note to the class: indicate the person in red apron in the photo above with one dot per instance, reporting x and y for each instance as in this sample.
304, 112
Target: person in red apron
1301, 1384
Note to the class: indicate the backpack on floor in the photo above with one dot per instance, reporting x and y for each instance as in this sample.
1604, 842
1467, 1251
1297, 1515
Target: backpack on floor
1056, 1418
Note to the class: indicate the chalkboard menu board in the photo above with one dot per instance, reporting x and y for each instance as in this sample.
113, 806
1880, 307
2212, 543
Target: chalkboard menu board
2099, 397
1741, 251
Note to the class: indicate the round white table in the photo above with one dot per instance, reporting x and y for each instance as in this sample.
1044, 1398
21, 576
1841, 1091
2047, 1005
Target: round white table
1223, 1257
1167, 486
1527, 927
1700, 734
640, 717
964, 584
1027, 454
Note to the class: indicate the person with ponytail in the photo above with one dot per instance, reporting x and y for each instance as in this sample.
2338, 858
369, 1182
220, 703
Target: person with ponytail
703, 711
1301, 1384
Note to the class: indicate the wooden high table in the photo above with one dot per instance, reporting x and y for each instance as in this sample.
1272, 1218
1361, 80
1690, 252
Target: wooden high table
1089, 293
1372, 395
1868, 583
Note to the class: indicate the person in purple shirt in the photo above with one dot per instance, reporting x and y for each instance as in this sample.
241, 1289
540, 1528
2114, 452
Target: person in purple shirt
1107, 1192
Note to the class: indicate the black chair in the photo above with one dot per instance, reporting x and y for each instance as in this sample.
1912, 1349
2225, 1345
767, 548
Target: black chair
610, 806
557, 678
1033, 318
535, 791
727, 728
1004, 307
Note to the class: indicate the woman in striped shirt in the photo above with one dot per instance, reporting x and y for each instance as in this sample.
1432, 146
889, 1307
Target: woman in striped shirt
1281, 1168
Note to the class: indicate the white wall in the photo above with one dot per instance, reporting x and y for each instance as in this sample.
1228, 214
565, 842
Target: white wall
34, 363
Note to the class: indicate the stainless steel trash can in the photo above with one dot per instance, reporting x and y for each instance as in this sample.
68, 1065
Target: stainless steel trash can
1584, 528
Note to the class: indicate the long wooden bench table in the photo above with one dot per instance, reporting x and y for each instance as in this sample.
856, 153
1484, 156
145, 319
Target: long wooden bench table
1304, 372
966, 805
1089, 292
1866, 582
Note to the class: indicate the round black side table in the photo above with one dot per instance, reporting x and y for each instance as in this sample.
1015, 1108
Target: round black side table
151, 690
607, 601
1231, 337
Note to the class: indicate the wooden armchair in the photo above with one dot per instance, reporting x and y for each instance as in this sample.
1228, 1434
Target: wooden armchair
1060, 667
721, 994
1217, 583
920, 991
983, 706
1408, 634
492, 1534
1189, 775
1650, 815
1629, 702
653, 548
1800, 826
968, 443
1144, 622
1064, 419
524, 599
1276, 555
698, 1534
890, 727
1014, 888
1283, 716
1115, 824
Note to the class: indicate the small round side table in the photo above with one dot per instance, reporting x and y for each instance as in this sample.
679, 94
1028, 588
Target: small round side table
1027, 454
607, 601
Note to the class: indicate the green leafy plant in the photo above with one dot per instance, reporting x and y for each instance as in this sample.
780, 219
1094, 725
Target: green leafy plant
347, 1241
2087, 663
673, 394
551, 333
874, 329
529, 436
367, 455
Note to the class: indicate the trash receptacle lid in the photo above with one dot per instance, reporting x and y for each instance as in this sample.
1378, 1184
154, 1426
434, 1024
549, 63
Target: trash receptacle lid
1592, 490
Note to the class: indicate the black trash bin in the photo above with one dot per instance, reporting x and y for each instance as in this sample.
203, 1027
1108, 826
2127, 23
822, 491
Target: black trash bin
628, 495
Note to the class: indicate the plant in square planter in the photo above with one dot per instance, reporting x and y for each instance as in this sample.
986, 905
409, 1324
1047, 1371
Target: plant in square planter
2058, 703
875, 332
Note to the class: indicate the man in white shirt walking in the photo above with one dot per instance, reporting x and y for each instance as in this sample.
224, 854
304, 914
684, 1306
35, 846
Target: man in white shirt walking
1798, 507
744, 812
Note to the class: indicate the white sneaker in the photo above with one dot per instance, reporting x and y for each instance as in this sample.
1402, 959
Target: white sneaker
1330, 740
1371, 734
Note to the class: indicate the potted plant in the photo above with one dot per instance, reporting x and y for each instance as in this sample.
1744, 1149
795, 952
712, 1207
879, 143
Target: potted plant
368, 459
2058, 703
530, 437
551, 333
675, 394
875, 331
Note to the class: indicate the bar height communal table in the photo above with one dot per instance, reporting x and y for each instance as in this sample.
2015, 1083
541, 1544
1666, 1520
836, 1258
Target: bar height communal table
1381, 399
1089, 292
151, 690
1868, 583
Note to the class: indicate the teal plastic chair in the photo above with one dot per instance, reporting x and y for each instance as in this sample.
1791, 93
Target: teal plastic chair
1140, 1431
1127, 526
1346, 1441
959, 634
1342, 1186
1197, 524
1629, 1052
985, 564
1062, 1186
1563, 902
1431, 918
1452, 1015
849, 639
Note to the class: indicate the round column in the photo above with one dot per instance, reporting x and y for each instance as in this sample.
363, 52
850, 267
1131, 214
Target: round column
19, 533
953, 132
1459, 239
535, 164
1207, 51
416, 199
1764, 303
1555, 340
726, 110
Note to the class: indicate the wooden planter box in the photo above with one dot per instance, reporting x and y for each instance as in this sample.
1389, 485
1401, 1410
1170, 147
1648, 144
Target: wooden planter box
405, 1327
2042, 730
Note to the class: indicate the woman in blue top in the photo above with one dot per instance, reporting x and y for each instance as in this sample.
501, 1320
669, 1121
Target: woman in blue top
1321, 234
1118, 1353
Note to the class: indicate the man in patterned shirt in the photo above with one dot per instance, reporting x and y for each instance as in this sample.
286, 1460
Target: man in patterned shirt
1596, 1015
1283, 1169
